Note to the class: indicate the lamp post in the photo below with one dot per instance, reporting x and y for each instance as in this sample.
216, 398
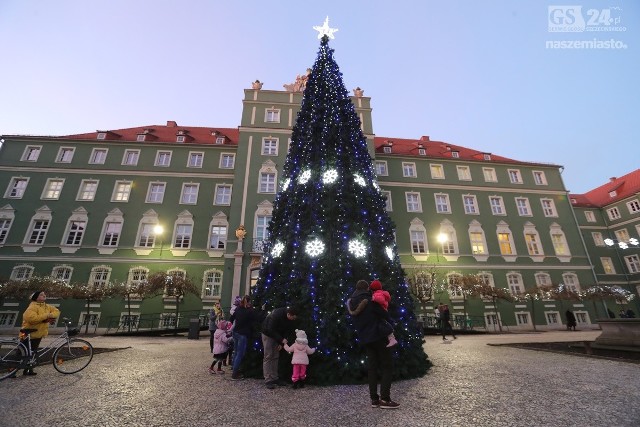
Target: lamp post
158, 230
442, 239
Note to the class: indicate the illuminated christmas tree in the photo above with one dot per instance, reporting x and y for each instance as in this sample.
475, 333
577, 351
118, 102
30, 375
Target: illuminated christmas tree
329, 228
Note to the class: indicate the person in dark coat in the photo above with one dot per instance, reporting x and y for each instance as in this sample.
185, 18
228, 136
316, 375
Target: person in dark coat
243, 319
275, 329
369, 321
571, 320
445, 319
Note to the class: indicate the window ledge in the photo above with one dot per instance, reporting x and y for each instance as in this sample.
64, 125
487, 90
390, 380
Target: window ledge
510, 258
106, 250
30, 248
69, 249
423, 258
143, 251
180, 252
537, 258
564, 258
215, 253
481, 258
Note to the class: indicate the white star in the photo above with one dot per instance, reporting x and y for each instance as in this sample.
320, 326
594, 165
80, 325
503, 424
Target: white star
325, 30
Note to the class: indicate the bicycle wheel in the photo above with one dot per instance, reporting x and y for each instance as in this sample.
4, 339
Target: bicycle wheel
12, 356
73, 356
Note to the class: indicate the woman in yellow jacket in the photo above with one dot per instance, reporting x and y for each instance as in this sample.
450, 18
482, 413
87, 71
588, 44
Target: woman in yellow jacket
38, 316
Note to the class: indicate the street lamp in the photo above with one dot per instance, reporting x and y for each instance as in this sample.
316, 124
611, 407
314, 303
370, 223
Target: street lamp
442, 239
158, 230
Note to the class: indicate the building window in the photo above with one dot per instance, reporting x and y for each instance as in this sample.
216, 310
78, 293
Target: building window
418, 241
422, 152
386, 150
571, 282
195, 160
62, 272
622, 234
523, 206
497, 205
559, 241
65, 155
539, 178
8, 319
112, 232
272, 115
486, 278
409, 170
454, 280
455, 154
478, 241
633, 263
121, 191
101, 135
75, 232
590, 216
5, 226
16, 188
598, 240
141, 137
147, 235
414, 203
87, 191
262, 227
223, 194
549, 208
532, 238
31, 153
515, 283
387, 199
183, 236
489, 175
613, 213
52, 189
137, 276
39, 228
130, 157
155, 192
542, 279
633, 206
220, 140
98, 156
270, 147
514, 176
437, 171
552, 318
267, 182
450, 245
442, 203
381, 168
464, 173
227, 161
189, 194
470, 205
163, 158
607, 266
218, 237
212, 283
21, 272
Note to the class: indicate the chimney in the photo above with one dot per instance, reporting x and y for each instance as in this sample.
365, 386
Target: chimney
613, 178
424, 138
171, 124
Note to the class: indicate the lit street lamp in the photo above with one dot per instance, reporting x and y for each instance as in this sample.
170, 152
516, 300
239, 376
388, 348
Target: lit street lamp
442, 239
158, 230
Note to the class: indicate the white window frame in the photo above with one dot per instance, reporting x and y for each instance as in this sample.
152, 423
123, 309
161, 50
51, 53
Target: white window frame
504, 230
515, 282
607, 265
413, 200
182, 238
382, 168
409, 170
386, 150
613, 213
532, 241
189, 193
418, 238
443, 205
633, 263
570, 281
62, 272
7, 215
8, 318
21, 272
65, 154
218, 232
75, 231
15, 190
221, 195
31, 153
543, 279
52, 189
470, 203
98, 156
497, 209
39, 227
478, 245
155, 192
523, 206
515, 177
450, 246
589, 216
267, 182
539, 177
559, 241
549, 208
137, 276
227, 160
633, 206
270, 146
84, 191
598, 239
388, 202
163, 158
121, 195
212, 284
272, 115
131, 157
464, 173
622, 235
489, 175
111, 233
198, 156
437, 171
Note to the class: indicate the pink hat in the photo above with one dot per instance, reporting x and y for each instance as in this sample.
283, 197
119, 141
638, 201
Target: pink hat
376, 285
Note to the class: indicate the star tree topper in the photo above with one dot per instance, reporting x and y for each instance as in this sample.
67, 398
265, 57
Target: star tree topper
325, 30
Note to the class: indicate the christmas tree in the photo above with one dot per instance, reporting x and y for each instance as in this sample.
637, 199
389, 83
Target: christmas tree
329, 229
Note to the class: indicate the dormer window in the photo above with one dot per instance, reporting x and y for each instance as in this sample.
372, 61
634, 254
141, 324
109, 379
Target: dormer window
613, 193
422, 151
102, 135
140, 137
455, 154
180, 138
387, 150
220, 140
486, 156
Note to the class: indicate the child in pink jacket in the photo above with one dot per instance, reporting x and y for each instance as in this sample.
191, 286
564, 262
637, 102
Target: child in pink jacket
221, 340
382, 298
300, 359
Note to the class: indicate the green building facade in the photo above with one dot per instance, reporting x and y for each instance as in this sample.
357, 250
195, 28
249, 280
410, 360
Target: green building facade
85, 209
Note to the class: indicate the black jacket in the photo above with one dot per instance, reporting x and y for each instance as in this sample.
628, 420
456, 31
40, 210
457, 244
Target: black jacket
277, 325
370, 321
244, 319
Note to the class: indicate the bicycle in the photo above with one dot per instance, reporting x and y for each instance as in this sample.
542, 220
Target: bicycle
70, 355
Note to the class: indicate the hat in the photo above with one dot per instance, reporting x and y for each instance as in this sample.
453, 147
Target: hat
237, 300
301, 337
376, 285
35, 295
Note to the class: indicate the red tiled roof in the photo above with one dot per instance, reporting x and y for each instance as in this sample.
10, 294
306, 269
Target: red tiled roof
624, 187
165, 133
438, 149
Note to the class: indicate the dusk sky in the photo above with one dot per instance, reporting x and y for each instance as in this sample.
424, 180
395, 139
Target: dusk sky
486, 75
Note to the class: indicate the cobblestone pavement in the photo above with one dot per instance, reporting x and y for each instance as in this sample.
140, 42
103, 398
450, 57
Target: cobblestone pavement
164, 382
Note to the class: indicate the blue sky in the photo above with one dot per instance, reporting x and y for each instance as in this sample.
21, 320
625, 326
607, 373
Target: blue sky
476, 74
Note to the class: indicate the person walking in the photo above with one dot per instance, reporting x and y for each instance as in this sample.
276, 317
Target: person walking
373, 330
275, 328
243, 319
445, 316
571, 320
38, 316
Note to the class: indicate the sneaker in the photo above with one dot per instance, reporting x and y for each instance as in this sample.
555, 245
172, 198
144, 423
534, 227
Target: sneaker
375, 403
389, 404
271, 386
219, 371
237, 377
211, 371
